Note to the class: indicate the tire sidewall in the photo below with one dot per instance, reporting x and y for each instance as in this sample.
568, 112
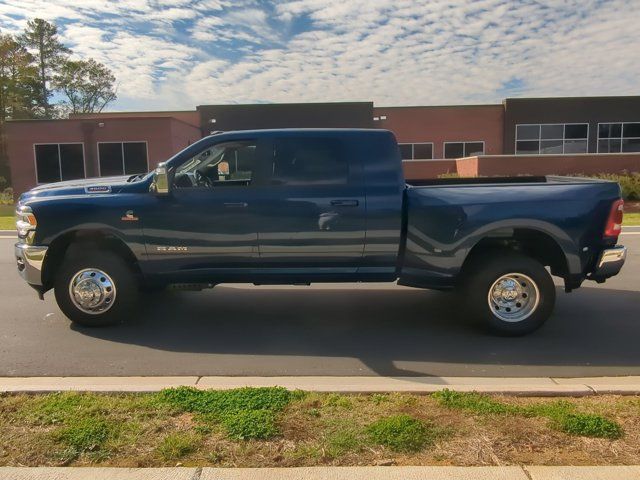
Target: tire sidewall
489, 270
114, 266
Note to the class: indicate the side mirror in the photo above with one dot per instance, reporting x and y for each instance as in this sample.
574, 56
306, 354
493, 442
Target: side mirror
161, 180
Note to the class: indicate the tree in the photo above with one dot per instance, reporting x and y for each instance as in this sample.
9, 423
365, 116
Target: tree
18, 80
42, 37
87, 84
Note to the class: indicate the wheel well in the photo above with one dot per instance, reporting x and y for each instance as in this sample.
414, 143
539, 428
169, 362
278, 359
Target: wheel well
533, 243
82, 240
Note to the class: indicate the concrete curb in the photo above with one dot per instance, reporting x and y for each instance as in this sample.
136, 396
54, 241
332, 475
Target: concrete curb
532, 386
325, 473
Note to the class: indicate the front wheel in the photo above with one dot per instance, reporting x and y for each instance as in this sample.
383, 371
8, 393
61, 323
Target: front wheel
514, 294
95, 288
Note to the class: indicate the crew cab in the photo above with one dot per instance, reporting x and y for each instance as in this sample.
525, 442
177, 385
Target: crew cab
295, 206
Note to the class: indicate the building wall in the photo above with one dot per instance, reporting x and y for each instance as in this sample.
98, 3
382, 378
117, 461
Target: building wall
445, 124
512, 165
164, 137
591, 110
286, 115
192, 117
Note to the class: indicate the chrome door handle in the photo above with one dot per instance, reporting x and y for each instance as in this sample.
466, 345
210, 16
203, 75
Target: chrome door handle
236, 204
344, 203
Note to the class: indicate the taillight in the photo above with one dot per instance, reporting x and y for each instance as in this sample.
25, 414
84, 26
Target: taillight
614, 222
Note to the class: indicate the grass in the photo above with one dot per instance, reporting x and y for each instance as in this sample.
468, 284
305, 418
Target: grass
631, 218
561, 414
260, 427
7, 217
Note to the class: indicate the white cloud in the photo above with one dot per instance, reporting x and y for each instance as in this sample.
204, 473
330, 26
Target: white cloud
180, 53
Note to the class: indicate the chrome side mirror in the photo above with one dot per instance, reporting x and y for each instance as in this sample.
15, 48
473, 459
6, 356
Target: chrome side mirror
161, 184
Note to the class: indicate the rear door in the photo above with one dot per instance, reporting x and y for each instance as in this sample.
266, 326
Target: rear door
312, 211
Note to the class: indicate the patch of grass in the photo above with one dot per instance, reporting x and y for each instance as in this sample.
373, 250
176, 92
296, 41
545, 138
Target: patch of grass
561, 414
178, 445
340, 442
212, 402
632, 218
400, 433
588, 425
250, 424
83, 435
7, 223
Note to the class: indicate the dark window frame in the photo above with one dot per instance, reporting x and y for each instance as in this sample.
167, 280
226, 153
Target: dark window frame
58, 144
122, 142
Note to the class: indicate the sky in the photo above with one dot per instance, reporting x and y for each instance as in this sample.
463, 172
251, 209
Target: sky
176, 54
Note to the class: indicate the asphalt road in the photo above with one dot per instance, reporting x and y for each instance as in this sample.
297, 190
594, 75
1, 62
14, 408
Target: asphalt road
321, 330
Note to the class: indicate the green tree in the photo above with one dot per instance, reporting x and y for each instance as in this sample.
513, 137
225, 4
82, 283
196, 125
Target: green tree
42, 37
87, 85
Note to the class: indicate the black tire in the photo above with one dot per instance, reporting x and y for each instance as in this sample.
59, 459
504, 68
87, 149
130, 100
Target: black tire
124, 288
502, 314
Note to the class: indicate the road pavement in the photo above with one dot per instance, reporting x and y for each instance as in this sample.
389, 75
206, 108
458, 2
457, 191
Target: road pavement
363, 329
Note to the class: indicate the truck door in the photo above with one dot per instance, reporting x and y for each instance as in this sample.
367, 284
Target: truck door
208, 222
312, 211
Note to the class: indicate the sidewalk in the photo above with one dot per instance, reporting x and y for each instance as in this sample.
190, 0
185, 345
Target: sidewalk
533, 386
326, 473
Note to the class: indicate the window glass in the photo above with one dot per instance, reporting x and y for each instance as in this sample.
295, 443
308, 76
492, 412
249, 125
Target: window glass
576, 131
309, 161
610, 130
552, 132
135, 157
406, 151
223, 164
527, 147
454, 150
528, 132
423, 151
473, 148
631, 145
110, 155
575, 146
47, 163
71, 161
631, 130
551, 146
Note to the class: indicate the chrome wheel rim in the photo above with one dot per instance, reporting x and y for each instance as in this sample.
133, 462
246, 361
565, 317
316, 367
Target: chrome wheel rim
513, 297
92, 291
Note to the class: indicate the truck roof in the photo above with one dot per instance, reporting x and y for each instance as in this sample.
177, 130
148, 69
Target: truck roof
274, 132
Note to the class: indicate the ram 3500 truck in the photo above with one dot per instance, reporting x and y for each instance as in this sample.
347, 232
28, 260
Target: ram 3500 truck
309, 205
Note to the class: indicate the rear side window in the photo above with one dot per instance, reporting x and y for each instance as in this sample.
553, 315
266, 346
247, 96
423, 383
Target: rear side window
309, 161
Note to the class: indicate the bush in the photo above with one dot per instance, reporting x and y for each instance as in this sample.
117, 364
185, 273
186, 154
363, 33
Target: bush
250, 424
401, 433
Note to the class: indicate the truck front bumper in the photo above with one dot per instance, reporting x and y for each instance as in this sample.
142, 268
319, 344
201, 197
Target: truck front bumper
609, 263
30, 259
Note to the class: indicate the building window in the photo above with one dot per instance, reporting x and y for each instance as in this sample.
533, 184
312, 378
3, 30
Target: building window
463, 149
550, 139
619, 137
416, 151
59, 161
122, 158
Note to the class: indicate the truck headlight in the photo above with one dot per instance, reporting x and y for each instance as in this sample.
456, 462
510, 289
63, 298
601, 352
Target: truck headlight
26, 223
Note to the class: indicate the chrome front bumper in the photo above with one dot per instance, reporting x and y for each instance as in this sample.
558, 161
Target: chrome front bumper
30, 259
609, 262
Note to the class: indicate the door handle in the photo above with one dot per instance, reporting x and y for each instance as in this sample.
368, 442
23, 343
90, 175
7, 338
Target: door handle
344, 203
236, 204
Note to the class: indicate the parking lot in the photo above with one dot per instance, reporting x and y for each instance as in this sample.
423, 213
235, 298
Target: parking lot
362, 329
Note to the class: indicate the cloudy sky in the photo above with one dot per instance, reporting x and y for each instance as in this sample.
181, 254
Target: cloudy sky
175, 54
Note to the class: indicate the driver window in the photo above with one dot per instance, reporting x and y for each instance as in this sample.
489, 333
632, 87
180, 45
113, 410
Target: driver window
223, 164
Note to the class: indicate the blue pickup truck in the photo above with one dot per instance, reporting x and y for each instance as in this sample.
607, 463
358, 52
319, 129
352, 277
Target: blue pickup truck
315, 205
